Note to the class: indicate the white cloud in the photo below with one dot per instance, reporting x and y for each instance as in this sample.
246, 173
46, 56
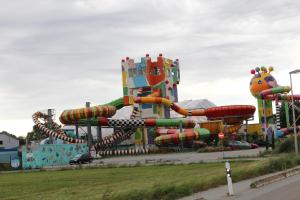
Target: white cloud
18, 127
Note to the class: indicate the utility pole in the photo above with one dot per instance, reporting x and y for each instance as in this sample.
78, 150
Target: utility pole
180, 132
49, 112
89, 128
265, 120
287, 116
76, 131
293, 106
246, 130
99, 133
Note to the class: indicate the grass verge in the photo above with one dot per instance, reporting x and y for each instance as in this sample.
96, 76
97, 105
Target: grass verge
139, 182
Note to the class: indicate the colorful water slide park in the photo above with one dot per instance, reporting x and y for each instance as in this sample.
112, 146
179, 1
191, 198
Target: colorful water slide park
264, 87
150, 88
99, 116
231, 115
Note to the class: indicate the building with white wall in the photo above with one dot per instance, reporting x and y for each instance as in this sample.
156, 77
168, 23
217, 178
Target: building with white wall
8, 141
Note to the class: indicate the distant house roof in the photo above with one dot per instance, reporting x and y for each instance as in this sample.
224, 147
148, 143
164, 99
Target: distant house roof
9, 135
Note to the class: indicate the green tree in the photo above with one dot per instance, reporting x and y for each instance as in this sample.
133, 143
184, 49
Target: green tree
22, 140
35, 135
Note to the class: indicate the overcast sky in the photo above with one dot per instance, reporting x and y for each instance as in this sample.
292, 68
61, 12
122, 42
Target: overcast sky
61, 53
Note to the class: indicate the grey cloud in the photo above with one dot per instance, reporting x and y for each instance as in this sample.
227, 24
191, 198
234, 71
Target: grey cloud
60, 54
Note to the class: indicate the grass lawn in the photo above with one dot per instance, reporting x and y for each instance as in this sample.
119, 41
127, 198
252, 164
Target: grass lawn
144, 182
134, 183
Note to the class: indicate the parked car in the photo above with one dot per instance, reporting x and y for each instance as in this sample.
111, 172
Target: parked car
81, 158
234, 144
260, 143
252, 145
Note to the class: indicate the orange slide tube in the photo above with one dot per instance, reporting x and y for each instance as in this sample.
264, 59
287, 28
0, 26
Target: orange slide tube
169, 103
230, 114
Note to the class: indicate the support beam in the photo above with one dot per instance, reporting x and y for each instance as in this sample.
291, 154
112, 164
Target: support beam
76, 131
99, 133
287, 114
89, 129
50, 114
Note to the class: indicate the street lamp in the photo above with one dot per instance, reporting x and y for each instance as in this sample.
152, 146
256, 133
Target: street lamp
293, 105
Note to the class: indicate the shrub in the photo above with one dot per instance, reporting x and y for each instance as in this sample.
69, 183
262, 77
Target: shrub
286, 145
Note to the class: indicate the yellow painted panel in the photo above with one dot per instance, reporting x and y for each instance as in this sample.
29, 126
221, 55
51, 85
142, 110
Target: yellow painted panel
213, 126
124, 75
131, 100
252, 128
159, 110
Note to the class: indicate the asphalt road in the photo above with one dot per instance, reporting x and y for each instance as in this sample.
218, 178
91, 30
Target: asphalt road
286, 189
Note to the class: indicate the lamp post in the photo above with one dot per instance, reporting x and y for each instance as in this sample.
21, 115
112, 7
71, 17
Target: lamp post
293, 105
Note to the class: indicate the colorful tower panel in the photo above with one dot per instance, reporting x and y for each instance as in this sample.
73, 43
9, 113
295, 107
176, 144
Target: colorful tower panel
149, 77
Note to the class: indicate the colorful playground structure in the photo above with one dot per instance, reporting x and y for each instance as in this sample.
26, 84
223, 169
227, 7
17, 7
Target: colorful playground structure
265, 89
150, 88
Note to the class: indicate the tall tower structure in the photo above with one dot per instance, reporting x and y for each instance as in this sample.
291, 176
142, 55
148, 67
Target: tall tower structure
150, 78
261, 81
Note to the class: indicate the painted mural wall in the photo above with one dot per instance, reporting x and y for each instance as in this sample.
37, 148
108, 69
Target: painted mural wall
50, 155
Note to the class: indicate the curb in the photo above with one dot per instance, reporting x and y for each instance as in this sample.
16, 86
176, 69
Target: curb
274, 178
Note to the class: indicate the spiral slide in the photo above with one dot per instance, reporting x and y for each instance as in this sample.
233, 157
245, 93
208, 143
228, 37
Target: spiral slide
70, 117
165, 136
270, 94
279, 92
99, 115
164, 131
231, 115
108, 122
174, 136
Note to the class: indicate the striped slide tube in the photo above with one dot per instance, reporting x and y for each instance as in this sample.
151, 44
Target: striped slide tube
282, 97
56, 134
177, 138
165, 131
117, 137
278, 127
141, 122
231, 128
126, 123
172, 105
220, 112
70, 117
123, 152
186, 135
274, 90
